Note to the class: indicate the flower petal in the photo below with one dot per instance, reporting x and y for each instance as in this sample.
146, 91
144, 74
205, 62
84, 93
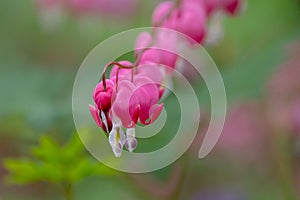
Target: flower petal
155, 111
131, 142
117, 140
95, 114
143, 41
125, 103
103, 98
148, 94
152, 71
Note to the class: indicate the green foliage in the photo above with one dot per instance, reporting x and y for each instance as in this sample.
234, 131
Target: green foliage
55, 164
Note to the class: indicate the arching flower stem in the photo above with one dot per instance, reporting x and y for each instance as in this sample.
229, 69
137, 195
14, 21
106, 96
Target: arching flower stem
107, 67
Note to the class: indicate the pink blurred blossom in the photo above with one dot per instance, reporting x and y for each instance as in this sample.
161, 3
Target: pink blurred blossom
113, 7
232, 7
283, 93
91, 7
164, 48
189, 18
244, 131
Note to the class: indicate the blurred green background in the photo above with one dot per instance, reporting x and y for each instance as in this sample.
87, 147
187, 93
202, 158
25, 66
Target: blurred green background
39, 58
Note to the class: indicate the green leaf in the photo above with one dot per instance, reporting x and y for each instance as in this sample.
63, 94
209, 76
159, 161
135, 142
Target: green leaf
55, 164
48, 150
22, 171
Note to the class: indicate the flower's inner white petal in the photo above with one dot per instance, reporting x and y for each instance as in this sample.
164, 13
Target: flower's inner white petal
117, 140
104, 120
131, 142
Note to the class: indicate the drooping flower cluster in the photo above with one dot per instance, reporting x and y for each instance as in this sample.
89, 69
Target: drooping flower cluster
199, 20
130, 95
132, 92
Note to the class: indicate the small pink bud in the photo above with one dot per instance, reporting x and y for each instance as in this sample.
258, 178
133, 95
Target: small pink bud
190, 19
159, 17
143, 41
102, 97
162, 50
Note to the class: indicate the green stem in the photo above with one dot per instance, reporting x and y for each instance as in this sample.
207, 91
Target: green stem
68, 191
182, 178
284, 164
170, 190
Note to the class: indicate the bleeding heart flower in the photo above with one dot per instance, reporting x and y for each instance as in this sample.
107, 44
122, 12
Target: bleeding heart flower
103, 96
103, 99
161, 50
134, 101
137, 100
189, 19
130, 95
187, 13
160, 14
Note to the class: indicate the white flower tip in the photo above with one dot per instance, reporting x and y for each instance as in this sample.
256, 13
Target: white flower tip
117, 151
104, 120
117, 140
131, 143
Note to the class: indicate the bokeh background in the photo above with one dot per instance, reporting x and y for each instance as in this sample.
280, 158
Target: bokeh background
256, 158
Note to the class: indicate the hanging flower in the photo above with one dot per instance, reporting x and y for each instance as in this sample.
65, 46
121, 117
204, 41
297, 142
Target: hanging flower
130, 95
